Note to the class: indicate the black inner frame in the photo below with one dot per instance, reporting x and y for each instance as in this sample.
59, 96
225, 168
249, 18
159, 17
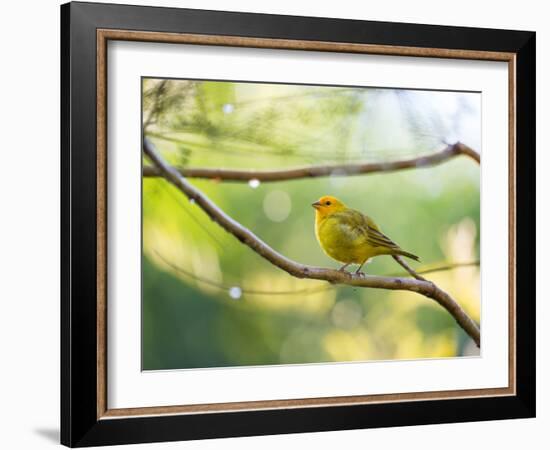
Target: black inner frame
79, 423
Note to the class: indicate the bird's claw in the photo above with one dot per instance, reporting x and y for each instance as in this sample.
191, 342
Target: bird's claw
360, 274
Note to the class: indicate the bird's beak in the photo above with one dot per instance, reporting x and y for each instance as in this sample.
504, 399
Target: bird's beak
316, 205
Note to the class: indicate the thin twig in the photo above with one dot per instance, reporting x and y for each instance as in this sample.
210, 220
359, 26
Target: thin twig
336, 170
448, 267
305, 291
227, 287
247, 237
159, 91
408, 268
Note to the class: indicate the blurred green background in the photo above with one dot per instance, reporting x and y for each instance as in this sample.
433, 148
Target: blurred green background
209, 301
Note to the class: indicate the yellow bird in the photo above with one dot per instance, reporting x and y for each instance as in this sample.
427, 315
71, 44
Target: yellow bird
349, 236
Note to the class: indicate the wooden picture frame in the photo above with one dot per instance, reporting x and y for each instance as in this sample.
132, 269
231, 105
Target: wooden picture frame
86, 418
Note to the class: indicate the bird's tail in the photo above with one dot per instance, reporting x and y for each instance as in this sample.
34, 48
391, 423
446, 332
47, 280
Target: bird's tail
408, 255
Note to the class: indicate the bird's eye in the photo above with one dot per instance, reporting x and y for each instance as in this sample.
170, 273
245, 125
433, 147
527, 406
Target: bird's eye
327, 203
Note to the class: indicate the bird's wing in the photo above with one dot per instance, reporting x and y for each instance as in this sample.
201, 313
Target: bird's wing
352, 224
373, 234
361, 227
379, 239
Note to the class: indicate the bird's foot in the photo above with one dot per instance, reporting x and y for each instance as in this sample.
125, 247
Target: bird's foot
343, 268
359, 274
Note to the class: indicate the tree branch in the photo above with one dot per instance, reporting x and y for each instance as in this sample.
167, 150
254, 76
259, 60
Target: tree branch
226, 287
468, 151
449, 152
408, 268
247, 237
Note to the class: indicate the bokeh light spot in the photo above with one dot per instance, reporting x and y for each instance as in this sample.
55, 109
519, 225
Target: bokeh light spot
277, 206
254, 183
228, 108
235, 292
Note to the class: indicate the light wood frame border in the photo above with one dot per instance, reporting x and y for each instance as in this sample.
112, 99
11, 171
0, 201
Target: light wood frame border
105, 35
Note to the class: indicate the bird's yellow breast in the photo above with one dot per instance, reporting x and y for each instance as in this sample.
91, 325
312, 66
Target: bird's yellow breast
342, 242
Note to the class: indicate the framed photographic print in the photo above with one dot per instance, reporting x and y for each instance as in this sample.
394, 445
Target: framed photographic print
277, 224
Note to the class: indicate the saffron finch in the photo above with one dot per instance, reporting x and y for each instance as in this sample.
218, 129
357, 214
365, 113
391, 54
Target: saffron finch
349, 236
